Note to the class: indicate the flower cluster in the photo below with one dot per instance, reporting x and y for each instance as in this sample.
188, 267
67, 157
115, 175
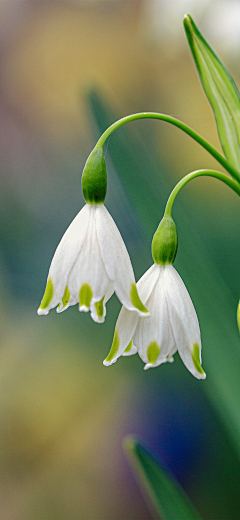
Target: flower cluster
91, 262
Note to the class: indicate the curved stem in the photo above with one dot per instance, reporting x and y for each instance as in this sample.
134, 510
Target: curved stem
199, 173
172, 120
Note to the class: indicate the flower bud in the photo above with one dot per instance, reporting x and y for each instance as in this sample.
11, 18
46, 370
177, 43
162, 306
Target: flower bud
94, 178
165, 242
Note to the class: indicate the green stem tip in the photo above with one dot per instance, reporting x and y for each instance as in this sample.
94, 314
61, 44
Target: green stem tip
199, 173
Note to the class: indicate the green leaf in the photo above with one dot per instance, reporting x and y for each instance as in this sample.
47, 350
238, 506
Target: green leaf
164, 492
220, 89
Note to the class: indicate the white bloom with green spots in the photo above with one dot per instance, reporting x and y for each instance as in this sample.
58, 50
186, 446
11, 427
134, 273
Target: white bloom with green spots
90, 263
172, 325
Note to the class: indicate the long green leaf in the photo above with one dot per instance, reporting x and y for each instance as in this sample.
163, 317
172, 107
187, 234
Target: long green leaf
220, 89
164, 492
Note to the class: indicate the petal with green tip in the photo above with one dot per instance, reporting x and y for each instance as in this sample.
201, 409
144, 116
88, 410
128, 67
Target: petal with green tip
157, 329
65, 256
98, 311
67, 300
136, 300
153, 352
196, 359
130, 350
184, 321
113, 354
47, 298
85, 297
125, 327
116, 260
66, 297
89, 268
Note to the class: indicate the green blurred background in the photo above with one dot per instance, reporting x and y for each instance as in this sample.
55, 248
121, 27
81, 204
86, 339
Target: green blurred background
68, 69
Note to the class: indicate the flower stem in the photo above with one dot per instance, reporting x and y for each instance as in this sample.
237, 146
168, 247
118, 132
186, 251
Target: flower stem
172, 120
199, 173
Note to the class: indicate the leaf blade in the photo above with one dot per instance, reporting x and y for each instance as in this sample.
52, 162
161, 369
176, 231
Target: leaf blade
220, 89
165, 494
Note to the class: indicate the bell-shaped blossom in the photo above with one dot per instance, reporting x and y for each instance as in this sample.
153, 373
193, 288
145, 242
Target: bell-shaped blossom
89, 264
172, 324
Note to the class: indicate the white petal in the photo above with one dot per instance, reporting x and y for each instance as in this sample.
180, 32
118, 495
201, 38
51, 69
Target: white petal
65, 256
109, 293
147, 282
100, 317
94, 314
184, 322
127, 320
124, 330
116, 260
89, 269
153, 337
170, 358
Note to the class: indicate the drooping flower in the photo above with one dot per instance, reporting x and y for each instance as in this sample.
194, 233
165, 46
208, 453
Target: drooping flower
172, 324
90, 263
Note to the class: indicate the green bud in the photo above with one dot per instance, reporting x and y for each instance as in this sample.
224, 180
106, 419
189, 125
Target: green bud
94, 178
165, 242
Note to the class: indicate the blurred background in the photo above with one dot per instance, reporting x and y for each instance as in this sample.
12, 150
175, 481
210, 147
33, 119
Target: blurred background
69, 69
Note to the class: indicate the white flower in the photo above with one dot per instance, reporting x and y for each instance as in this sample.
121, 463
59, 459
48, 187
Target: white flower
90, 263
172, 325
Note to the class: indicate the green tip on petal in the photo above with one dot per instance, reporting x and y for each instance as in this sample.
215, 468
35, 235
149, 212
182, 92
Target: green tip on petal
128, 347
47, 297
114, 349
153, 352
66, 297
196, 359
136, 300
99, 308
238, 316
85, 296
